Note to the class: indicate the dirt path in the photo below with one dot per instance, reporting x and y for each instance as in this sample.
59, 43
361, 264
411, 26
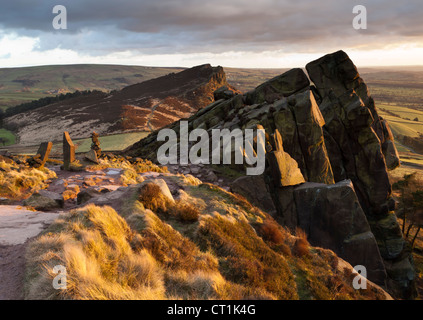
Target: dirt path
17, 226
12, 271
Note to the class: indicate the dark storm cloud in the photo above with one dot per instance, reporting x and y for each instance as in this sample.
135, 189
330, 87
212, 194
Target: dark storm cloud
169, 26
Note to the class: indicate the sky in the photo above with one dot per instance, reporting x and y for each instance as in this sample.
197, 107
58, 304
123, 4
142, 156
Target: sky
231, 33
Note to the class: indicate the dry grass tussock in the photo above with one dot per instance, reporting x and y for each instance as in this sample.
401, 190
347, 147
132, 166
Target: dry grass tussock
18, 183
94, 244
153, 199
105, 259
301, 246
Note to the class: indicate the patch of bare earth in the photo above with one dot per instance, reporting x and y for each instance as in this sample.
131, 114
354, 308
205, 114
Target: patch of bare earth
12, 271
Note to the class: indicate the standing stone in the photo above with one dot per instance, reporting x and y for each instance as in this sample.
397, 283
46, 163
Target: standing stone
40, 158
44, 150
68, 151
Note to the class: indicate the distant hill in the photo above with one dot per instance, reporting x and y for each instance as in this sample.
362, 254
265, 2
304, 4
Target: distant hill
145, 106
19, 85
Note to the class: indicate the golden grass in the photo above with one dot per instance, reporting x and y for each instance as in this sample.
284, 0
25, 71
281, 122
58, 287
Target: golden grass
245, 258
301, 246
94, 244
241, 253
18, 183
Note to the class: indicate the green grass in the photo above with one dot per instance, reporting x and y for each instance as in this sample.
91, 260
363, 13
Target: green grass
401, 119
7, 137
114, 142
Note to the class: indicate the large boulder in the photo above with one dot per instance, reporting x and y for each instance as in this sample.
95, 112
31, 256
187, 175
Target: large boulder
44, 200
332, 218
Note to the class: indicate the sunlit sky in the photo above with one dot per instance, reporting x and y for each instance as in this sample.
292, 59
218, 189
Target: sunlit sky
184, 33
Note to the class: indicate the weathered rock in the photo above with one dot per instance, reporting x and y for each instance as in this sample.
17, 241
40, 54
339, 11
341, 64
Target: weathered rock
388, 147
41, 157
365, 143
254, 189
211, 177
86, 195
68, 151
284, 121
92, 156
309, 123
45, 200
282, 169
401, 276
332, 217
337, 73
333, 132
224, 93
281, 86
44, 150
163, 187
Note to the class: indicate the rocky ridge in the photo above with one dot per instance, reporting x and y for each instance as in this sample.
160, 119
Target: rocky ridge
343, 149
145, 106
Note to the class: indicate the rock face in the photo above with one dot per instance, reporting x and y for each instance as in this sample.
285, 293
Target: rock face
365, 142
332, 217
283, 170
342, 150
254, 188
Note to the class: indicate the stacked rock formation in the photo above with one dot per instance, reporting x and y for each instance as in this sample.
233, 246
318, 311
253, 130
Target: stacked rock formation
95, 145
342, 150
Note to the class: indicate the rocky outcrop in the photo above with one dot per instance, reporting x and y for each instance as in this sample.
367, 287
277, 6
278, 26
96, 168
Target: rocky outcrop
330, 136
365, 142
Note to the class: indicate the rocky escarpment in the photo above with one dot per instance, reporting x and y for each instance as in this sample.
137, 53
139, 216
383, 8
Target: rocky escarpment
342, 150
145, 106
